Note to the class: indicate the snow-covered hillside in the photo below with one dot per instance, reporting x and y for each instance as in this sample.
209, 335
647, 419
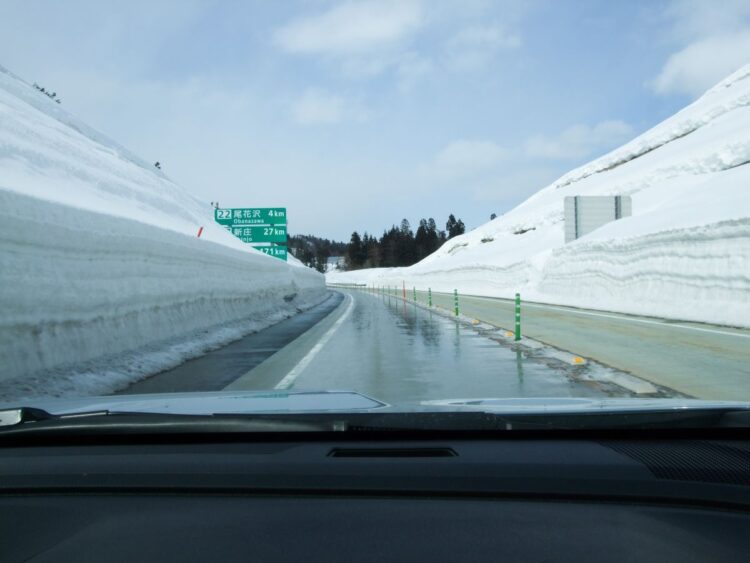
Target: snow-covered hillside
103, 279
684, 254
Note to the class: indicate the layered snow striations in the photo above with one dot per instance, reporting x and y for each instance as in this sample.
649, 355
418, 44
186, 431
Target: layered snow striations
103, 280
684, 254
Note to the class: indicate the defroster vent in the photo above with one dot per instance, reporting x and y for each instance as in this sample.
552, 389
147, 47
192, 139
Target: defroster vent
690, 460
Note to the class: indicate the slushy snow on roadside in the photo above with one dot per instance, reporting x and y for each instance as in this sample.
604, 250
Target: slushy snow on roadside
104, 280
684, 253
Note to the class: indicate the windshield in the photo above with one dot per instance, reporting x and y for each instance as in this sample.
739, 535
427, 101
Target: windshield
347, 206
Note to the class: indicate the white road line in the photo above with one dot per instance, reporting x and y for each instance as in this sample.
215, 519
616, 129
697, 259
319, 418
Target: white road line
618, 317
295, 372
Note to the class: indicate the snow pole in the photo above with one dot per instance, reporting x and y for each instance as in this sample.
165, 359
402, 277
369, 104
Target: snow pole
455, 301
403, 285
200, 231
429, 296
414, 293
518, 317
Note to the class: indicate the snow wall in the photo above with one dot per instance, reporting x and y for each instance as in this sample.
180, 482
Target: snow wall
103, 280
683, 254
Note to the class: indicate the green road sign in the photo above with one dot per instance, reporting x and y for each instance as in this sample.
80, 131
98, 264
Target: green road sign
235, 217
275, 233
275, 251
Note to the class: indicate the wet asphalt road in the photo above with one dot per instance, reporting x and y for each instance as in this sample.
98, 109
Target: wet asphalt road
397, 352
698, 360
217, 369
380, 346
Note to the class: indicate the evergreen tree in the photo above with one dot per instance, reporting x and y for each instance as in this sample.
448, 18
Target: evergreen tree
388, 250
367, 242
354, 252
450, 226
454, 227
460, 228
374, 254
321, 259
421, 240
314, 251
433, 237
405, 247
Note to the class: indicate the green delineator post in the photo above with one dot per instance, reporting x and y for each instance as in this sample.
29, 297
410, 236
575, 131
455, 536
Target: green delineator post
518, 317
455, 301
414, 293
429, 296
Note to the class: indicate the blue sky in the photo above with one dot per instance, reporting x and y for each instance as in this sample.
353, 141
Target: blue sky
354, 115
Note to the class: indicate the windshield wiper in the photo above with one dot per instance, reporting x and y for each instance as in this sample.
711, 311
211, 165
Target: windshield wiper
22, 415
32, 422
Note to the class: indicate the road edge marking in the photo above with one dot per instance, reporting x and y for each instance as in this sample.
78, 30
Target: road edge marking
297, 370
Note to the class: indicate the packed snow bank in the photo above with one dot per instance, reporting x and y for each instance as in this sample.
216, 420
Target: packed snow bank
684, 254
103, 278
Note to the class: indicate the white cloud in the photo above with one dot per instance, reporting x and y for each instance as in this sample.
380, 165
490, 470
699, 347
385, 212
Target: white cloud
473, 47
368, 38
318, 107
578, 140
468, 157
692, 20
703, 63
711, 41
351, 28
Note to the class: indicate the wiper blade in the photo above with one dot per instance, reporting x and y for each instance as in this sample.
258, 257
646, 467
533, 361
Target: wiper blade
23, 415
30, 422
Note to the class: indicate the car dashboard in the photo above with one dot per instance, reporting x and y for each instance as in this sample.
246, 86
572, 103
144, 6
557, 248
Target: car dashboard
324, 497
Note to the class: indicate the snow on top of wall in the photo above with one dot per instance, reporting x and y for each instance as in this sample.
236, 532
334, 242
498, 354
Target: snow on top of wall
659, 168
49, 154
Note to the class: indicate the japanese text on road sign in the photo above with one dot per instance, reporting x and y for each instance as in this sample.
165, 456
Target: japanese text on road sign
233, 217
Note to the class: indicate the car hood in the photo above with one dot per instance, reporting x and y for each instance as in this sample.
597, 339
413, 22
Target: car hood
261, 402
